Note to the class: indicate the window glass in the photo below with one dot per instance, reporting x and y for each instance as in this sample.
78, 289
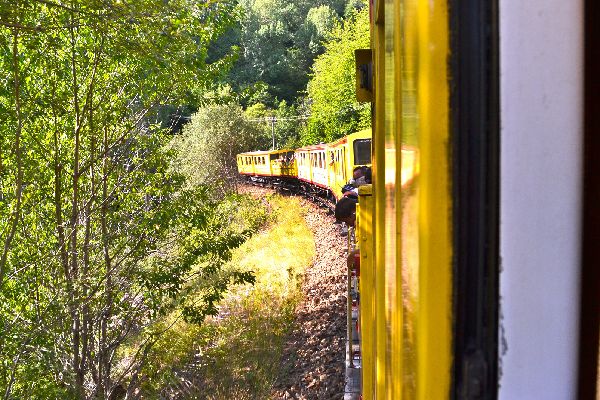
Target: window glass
362, 151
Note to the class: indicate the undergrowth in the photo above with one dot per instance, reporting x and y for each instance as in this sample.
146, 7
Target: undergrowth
236, 354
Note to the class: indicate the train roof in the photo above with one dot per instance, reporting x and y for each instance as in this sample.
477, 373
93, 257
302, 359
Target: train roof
313, 147
364, 134
264, 152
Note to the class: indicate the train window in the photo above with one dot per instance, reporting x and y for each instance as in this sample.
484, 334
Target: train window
362, 151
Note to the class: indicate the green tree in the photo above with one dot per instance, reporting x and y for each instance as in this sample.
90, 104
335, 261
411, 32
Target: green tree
85, 194
276, 42
210, 142
334, 111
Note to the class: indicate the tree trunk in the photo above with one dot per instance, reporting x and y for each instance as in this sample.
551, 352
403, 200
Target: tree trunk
18, 157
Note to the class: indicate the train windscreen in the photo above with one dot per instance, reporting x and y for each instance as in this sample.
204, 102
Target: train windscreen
362, 151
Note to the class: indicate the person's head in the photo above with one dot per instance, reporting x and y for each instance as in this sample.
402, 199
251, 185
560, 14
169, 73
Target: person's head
358, 172
345, 210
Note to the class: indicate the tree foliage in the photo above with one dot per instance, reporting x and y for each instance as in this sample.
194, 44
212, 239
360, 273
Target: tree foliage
105, 225
88, 205
209, 143
276, 43
334, 111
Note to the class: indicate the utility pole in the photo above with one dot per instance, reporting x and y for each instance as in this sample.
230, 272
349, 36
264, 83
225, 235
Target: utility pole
272, 120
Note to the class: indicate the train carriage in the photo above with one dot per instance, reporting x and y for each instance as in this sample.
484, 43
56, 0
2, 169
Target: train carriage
312, 165
245, 164
273, 163
476, 277
283, 164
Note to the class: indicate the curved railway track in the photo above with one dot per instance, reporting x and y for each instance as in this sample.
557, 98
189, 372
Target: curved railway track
318, 196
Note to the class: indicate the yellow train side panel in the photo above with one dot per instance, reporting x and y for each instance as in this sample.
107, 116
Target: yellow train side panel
366, 288
434, 314
245, 164
378, 227
283, 163
412, 196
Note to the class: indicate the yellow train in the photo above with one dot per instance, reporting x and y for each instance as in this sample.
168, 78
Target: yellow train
478, 259
321, 169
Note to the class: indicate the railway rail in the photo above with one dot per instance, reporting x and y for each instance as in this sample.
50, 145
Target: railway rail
325, 200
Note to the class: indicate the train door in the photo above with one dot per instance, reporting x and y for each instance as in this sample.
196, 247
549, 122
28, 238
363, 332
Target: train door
330, 166
339, 169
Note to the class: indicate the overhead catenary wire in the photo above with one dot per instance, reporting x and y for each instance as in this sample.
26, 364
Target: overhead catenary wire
272, 120
275, 119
